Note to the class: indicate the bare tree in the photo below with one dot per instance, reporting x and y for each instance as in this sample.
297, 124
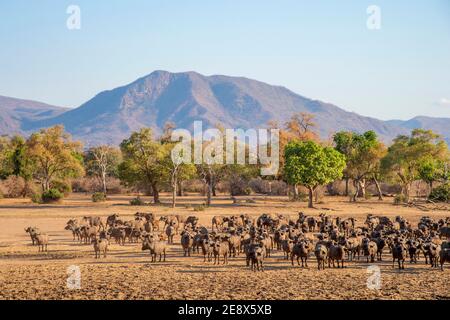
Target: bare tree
101, 162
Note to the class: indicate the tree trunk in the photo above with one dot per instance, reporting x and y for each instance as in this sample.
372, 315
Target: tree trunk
174, 183
310, 197
213, 190
355, 195
46, 185
180, 191
209, 192
174, 195
377, 184
104, 182
330, 189
155, 192
295, 190
346, 186
362, 188
406, 191
317, 194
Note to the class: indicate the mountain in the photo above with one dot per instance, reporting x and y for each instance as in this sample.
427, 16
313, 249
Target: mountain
234, 102
439, 125
18, 116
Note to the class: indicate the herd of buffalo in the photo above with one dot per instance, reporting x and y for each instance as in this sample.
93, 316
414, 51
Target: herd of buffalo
331, 240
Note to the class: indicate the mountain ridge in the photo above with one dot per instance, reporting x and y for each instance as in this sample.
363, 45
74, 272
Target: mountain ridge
183, 97
16, 114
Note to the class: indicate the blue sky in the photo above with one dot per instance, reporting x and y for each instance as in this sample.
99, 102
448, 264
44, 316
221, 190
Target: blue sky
320, 49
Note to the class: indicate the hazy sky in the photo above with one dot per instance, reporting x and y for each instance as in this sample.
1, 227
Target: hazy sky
319, 49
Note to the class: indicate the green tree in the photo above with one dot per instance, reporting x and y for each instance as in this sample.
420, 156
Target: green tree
21, 165
13, 159
312, 165
432, 169
144, 161
343, 143
429, 170
178, 171
54, 155
5, 157
101, 162
407, 157
301, 126
363, 153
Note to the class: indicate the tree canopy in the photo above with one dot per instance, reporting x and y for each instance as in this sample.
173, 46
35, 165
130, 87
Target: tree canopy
414, 157
144, 161
309, 164
54, 155
363, 153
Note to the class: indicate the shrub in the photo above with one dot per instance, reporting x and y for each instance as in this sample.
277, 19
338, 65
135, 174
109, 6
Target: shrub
142, 187
319, 195
31, 188
36, 198
441, 193
336, 188
15, 187
200, 208
137, 201
279, 188
114, 186
52, 195
86, 184
62, 186
93, 184
302, 196
368, 196
274, 188
98, 197
259, 185
3, 190
194, 186
399, 198
237, 186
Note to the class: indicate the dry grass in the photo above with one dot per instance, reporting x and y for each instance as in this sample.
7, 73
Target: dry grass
127, 273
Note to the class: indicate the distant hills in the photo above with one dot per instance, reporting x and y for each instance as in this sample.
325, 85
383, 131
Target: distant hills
182, 98
439, 125
18, 116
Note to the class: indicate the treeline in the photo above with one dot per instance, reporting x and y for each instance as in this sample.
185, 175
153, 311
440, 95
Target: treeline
45, 165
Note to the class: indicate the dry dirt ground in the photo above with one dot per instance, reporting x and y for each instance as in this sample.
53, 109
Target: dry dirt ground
127, 274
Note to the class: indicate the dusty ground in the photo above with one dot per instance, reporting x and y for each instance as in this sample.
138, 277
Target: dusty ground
127, 273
